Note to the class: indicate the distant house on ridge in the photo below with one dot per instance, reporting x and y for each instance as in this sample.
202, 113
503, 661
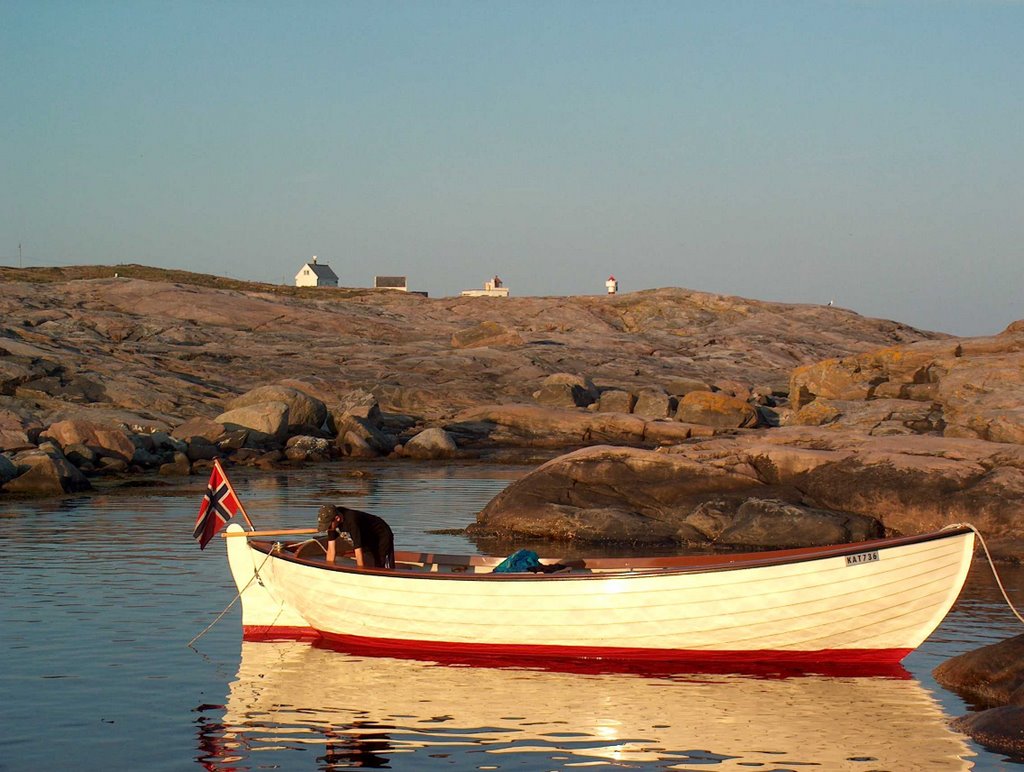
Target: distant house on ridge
314, 274
399, 283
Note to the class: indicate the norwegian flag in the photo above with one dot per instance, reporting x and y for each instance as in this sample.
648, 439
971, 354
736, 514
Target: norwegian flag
219, 505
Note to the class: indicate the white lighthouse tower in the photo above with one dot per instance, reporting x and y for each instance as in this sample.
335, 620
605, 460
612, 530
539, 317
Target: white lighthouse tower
612, 285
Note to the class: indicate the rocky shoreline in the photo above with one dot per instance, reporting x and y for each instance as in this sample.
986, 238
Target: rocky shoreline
804, 419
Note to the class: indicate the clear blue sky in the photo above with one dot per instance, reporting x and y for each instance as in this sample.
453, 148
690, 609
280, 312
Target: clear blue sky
871, 153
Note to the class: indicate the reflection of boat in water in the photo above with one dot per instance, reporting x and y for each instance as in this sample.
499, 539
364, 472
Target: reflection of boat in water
291, 697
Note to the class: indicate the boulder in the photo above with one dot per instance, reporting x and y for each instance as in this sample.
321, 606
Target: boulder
269, 419
486, 334
433, 443
201, 449
380, 442
680, 387
304, 411
8, 471
653, 403
998, 729
179, 466
45, 474
616, 401
770, 523
990, 676
108, 440
306, 448
199, 426
17, 430
715, 409
147, 459
354, 445
566, 390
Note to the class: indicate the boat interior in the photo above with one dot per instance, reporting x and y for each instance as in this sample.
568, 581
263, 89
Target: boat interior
314, 551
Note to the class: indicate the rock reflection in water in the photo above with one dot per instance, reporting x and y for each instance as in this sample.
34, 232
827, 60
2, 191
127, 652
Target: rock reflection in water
350, 711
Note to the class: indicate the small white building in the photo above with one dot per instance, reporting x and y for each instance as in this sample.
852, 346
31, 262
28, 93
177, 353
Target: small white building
611, 285
314, 274
492, 289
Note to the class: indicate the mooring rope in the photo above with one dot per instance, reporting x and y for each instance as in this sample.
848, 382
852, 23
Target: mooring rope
255, 575
991, 564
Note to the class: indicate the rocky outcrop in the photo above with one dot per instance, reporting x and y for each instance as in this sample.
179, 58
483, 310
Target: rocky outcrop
536, 426
991, 677
966, 387
907, 484
486, 334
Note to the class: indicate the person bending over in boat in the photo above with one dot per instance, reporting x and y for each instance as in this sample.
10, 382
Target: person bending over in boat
371, 537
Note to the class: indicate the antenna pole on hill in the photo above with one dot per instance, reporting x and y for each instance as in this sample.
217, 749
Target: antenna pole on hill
19, 254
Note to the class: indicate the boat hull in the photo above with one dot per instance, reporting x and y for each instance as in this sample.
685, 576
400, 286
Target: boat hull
870, 603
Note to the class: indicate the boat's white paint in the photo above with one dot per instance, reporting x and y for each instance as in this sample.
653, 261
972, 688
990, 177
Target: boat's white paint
891, 603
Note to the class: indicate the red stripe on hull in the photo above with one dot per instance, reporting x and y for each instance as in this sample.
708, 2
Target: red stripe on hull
397, 647
278, 633
765, 663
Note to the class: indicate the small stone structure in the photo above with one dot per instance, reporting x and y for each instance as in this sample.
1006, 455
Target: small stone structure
492, 289
612, 285
314, 274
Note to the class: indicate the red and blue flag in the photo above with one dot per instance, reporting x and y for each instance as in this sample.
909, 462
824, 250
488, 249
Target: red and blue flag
219, 505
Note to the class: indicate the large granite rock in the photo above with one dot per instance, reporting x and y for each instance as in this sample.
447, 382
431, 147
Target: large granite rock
566, 390
199, 426
972, 387
716, 409
45, 472
990, 676
432, 443
269, 419
908, 484
108, 440
304, 411
993, 678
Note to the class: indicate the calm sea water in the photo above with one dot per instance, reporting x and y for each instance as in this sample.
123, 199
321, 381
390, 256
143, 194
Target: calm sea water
99, 596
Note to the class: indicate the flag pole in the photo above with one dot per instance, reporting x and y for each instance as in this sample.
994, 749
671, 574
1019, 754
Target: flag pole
231, 488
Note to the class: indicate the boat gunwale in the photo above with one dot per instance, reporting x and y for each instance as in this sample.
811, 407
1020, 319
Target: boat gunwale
627, 567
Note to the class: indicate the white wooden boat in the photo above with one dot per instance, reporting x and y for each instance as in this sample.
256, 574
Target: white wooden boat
293, 700
868, 602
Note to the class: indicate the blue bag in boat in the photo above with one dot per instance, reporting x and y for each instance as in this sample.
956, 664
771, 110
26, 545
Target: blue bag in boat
519, 561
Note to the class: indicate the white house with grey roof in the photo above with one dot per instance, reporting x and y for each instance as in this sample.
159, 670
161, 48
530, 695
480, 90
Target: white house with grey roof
314, 274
